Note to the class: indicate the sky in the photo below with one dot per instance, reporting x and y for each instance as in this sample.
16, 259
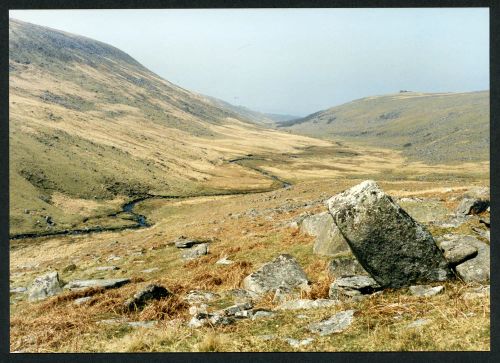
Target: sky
294, 61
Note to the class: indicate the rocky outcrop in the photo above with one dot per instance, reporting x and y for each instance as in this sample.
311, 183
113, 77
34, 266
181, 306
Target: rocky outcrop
282, 272
45, 286
391, 246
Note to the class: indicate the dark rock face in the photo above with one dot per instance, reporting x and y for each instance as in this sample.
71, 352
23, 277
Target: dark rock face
472, 206
390, 245
282, 272
151, 292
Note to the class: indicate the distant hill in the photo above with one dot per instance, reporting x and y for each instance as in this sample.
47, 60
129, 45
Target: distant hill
280, 118
435, 128
90, 127
266, 119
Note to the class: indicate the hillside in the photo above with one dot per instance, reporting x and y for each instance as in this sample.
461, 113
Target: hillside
91, 128
434, 128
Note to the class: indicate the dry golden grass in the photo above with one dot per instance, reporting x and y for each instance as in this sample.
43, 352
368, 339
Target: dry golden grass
249, 241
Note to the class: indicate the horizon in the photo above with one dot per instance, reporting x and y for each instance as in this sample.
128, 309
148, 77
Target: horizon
447, 56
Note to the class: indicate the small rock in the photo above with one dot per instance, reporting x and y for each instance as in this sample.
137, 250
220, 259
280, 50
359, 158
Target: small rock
149, 270
419, 323
198, 309
457, 252
69, 268
199, 250
45, 286
477, 292
142, 324
82, 300
336, 324
260, 314
107, 268
183, 242
104, 283
242, 295
472, 206
243, 314
113, 258
298, 343
224, 261
306, 304
212, 319
283, 271
150, 292
18, 290
476, 269
425, 290
232, 310
352, 286
200, 296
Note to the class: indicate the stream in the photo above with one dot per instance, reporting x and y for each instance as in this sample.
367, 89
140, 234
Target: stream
141, 220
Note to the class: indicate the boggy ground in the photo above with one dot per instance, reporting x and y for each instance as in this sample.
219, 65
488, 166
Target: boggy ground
250, 230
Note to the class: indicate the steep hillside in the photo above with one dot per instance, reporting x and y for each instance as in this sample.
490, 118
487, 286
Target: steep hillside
435, 128
90, 128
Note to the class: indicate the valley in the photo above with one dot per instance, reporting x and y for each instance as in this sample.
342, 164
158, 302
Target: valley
122, 182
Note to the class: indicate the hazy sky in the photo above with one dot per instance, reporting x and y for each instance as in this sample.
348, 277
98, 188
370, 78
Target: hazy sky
295, 61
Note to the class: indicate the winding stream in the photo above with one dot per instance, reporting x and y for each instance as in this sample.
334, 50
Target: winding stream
141, 220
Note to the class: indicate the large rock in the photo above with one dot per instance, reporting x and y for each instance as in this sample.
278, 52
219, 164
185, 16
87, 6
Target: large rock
282, 272
346, 266
329, 241
472, 206
150, 292
395, 249
476, 269
44, 286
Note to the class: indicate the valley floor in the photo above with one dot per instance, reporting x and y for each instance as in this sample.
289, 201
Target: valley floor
248, 229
